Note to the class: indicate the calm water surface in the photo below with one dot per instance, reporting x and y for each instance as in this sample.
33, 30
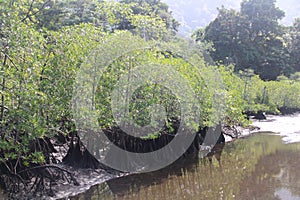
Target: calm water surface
262, 167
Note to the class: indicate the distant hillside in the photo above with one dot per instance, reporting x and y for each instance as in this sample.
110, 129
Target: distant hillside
193, 14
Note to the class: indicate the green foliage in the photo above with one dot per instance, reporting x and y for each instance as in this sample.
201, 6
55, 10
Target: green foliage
251, 39
153, 8
284, 93
22, 54
295, 76
263, 15
40, 58
144, 99
37, 73
293, 44
57, 14
235, 103
149, 19
269, 95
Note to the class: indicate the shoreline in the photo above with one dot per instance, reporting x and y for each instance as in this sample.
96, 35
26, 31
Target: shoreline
88, 178
245, 132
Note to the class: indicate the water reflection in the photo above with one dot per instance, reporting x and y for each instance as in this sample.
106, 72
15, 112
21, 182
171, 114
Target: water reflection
259, 167
276, 176
3, 195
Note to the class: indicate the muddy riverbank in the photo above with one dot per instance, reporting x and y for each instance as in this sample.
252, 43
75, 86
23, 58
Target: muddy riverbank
272, 135
285, 127
258, 167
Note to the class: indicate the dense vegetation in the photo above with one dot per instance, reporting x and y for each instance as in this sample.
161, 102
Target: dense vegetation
253, 38
194, 14
41, 55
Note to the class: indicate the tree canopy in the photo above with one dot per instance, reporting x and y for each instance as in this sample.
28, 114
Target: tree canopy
253, 39
150, 15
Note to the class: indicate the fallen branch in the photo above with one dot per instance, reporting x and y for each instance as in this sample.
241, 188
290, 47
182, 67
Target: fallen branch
51, 166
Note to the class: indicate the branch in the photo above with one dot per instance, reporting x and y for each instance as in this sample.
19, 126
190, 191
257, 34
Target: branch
28, 12
51, 166
28, 15
4, 107
43, 167
10, 59
59, 131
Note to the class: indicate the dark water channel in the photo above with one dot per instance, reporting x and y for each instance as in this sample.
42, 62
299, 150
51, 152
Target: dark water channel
261, 166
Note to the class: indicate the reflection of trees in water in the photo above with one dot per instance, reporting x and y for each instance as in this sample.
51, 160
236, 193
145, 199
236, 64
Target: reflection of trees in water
272, 173
261, 184
249, 168
291, 172
101, 191
181, 180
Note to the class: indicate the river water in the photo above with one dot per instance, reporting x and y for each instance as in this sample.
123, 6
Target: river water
263, 166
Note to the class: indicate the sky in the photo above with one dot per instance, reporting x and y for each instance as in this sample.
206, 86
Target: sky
193, 14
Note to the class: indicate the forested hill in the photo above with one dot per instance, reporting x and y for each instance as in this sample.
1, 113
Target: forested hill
253, 38
193, 14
